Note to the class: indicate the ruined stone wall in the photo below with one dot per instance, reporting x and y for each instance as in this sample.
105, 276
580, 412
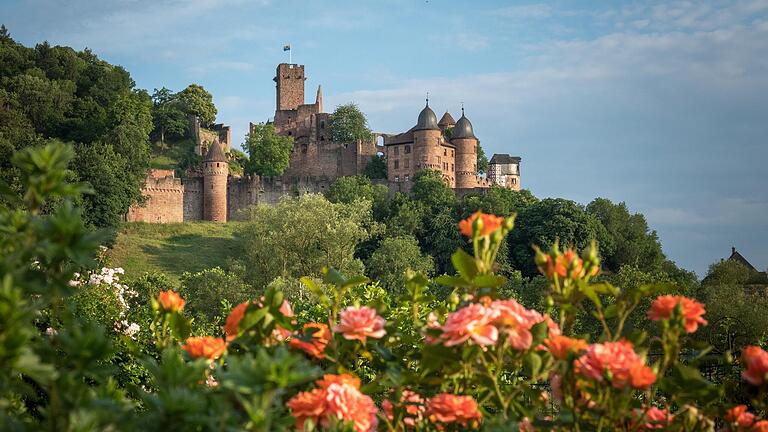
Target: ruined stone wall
164, 196
242, 192
193, 199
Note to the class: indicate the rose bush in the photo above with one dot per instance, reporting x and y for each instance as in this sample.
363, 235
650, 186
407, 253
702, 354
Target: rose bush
359, 360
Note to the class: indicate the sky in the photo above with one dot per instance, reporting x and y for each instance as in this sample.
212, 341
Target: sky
662, 105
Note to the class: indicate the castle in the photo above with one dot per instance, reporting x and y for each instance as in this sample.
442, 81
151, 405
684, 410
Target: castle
211, 193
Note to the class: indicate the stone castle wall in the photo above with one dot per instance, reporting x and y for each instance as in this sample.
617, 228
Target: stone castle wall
164, 198
193, 199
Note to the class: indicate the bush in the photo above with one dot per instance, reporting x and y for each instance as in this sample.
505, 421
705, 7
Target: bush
475, 359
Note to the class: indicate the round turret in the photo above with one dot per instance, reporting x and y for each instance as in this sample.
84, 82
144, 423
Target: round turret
463, 137
427, 119
215, 173
463, 128
446, 121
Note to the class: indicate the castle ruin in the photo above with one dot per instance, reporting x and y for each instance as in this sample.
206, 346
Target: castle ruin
211, 193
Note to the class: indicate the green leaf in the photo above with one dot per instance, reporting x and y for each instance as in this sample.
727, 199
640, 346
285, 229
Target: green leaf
488, 281
686, 385
589, 291
451, 281
532, 364
464, 264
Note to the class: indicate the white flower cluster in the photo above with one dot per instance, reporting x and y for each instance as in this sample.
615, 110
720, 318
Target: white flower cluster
123, 294
131, 330
110, 276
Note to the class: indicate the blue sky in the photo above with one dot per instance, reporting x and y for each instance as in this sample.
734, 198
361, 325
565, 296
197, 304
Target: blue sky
663, 105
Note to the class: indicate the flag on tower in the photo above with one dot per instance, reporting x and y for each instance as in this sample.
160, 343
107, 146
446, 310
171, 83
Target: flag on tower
287, 47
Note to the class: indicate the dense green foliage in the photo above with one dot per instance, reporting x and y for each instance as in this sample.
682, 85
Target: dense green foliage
197, 101
298, 237
348, 124
49, 92
81, 350
482, 160
268, 152
376, 168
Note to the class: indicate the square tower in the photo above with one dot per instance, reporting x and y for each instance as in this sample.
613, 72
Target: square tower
290, 86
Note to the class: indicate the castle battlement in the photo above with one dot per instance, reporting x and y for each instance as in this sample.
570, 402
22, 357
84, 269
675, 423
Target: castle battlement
209, 192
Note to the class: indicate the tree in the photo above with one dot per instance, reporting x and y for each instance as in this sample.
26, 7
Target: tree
206, 289
168, 115
268, 153
114, 191
197, 101
348, 124
376, 168
736, 311
633, 242
430, 189
352, 188
299, 236
496, 200
5, 35
393, 258
482, 160
548, 220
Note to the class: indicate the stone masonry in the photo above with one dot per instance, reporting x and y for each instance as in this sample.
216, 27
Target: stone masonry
211, 193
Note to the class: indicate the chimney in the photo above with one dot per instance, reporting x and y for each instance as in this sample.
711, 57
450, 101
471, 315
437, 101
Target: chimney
733, 249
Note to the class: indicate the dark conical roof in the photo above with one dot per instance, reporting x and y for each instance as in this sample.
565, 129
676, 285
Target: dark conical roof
446, 120
463, 128
215, 153
427, 119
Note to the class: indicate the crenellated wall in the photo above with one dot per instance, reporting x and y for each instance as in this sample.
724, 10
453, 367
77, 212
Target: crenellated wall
164, 197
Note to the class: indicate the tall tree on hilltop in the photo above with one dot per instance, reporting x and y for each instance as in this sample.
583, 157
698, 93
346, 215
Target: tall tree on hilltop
168, 114
198, 101
348, 124
268, 153
634, 243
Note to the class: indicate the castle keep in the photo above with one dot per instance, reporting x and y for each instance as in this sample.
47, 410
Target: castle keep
210, 192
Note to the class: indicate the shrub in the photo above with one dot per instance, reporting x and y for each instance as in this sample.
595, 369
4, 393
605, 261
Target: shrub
474, 360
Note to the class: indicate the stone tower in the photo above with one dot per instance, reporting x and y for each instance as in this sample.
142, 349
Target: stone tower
215, 173
463, 137
290, 86
426, 140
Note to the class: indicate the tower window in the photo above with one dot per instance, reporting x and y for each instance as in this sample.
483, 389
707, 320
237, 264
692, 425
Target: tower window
407, 177
397, 151
322, 125
445, 152
217, 164
397, 164
407, 149
397, 178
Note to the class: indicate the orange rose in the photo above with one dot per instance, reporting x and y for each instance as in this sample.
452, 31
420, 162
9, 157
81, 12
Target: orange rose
663, 307
307, 406
205, 347
339, 398
620, 360
486, 225
740, 416
413, 405
474, 322
756, 362
170, 301
315, 346
232, 325
449, 408
653, 418
560, 346
360, 323
761, 426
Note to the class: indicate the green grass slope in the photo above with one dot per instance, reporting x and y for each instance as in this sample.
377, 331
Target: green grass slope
173, 248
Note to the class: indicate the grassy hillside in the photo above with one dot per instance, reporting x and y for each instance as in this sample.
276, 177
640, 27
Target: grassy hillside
173, 248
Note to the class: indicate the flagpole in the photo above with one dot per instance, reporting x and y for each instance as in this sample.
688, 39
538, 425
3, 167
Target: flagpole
290, 54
